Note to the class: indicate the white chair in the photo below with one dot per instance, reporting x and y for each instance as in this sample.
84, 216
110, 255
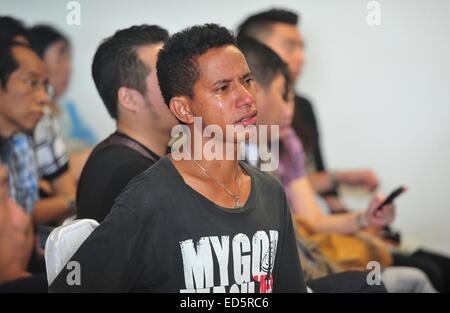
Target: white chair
63, 242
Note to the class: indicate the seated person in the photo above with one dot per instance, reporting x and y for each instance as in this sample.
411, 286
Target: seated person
302, 199
275, 108
19, 151
228, 229
278, 30
55, 146
16, 148
143, 120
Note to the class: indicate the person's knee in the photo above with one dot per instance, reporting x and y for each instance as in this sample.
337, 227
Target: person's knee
418, 280
407, 279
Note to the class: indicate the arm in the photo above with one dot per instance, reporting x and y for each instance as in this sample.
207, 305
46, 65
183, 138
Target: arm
53, 208
64, 185
304, 204
77, 162
326, 184
16, 235
301, 195
59, 206
62, 204
335, 204
325, 181
16, 242
321, 181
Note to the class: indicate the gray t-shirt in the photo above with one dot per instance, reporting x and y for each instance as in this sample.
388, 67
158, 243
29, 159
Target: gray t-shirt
163, 236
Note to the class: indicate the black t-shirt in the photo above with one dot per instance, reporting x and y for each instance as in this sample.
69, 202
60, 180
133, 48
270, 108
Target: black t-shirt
163, 236
306, 126
108, 170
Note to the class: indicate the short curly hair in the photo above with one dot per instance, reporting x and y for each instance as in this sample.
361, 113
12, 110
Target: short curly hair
177, 68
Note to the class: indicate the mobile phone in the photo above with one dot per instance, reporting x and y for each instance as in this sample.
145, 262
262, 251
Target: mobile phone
394, 194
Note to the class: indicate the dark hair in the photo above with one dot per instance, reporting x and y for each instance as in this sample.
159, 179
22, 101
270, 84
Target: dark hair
264, 63
261, 22
117, 64
10, 28
177, 68
8, 63
43, 36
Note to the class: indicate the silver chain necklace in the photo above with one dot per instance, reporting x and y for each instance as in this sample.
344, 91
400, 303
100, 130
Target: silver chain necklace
236, 197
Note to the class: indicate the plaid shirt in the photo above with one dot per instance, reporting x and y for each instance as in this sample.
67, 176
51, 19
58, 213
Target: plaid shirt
50, 148
18, 155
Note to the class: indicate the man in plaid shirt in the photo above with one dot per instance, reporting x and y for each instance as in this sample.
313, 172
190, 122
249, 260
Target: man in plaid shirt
23, 77
23, 94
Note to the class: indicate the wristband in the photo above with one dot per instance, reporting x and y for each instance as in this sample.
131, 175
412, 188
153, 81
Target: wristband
362, 222
71, 204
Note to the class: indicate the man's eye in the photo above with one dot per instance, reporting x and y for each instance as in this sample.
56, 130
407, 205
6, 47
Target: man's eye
290, 46
249, 80
222, 88
31, 82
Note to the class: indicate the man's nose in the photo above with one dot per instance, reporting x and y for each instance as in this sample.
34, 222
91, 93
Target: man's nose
300, 58
67, 67
42, 95
244, 96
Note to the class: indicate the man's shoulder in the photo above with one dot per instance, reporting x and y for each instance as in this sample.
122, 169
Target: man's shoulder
113, 162
153, 183
264, 180
302, 101
116, 155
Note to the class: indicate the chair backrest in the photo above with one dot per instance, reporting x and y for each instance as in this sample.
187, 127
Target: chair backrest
63, 242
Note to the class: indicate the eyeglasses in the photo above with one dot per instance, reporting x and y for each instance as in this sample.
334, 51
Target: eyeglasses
34, 85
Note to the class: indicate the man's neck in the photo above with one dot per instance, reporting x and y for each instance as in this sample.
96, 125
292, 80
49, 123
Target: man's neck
6, 129
152, 139
216, 180
222, 170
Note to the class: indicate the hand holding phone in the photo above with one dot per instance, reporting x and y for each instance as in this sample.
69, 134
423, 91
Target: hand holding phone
394, 194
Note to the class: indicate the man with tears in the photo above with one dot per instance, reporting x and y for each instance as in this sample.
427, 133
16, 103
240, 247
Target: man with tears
196, 225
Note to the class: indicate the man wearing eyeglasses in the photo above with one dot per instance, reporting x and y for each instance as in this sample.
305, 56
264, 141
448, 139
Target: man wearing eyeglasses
23, 95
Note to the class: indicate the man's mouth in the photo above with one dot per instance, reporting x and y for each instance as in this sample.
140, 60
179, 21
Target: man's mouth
248, 119
36, 115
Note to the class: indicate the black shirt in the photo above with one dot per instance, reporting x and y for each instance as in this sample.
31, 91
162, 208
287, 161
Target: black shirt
306, 126
163, 236
109, 168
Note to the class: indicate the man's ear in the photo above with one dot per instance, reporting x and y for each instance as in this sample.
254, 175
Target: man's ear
181, 108
127, 98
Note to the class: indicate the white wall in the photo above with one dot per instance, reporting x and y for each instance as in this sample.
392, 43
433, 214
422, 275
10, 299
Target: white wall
381, 92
